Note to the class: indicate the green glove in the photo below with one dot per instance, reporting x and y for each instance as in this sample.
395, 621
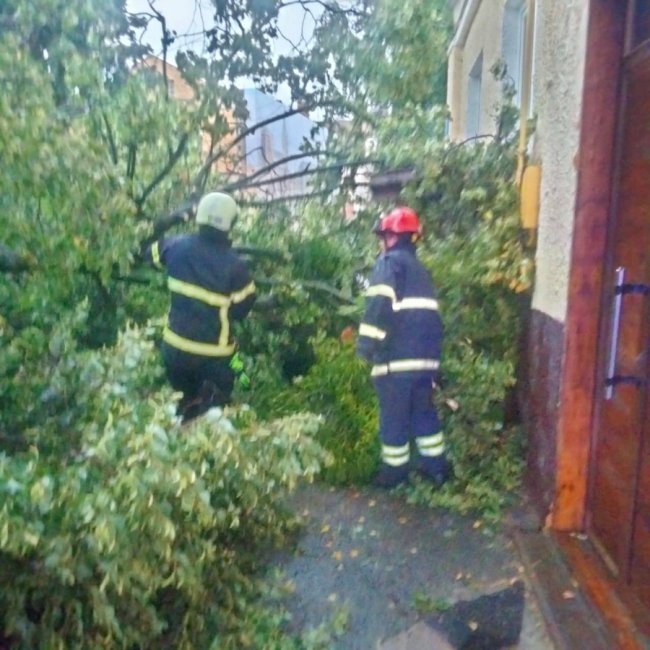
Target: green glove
244, 381
237, 366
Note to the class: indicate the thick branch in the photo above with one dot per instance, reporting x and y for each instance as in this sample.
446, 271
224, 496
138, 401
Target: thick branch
173, 159
210, 160
110, 138
322, 287
254, 251
293, 197
178, 216
265, 170
244, 184
165, 44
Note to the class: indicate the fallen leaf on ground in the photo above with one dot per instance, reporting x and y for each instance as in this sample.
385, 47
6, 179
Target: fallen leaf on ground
337, 555
354, 553
568, 594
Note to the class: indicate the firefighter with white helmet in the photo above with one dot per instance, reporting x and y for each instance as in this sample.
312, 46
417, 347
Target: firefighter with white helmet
401, 336
210, 288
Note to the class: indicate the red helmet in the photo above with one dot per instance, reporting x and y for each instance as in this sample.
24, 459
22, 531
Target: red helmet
399, 220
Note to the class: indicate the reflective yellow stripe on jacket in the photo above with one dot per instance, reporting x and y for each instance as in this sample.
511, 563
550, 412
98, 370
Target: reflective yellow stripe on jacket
371, 331
404, 365
221, 348
381, 290
197, 347
155, 255
198, 293
242, 294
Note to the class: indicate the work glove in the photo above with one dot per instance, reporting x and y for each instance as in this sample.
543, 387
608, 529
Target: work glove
237, 366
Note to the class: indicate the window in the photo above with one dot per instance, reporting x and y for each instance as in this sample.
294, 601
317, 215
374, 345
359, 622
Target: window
474, 83
641, 22
514, 37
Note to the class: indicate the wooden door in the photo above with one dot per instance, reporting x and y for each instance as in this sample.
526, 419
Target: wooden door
619, 500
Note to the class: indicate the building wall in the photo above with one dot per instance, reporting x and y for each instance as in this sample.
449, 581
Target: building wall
180, 90
557, 85
177, 87
481, 36
276, 141
560, 48
559, 74
559, 54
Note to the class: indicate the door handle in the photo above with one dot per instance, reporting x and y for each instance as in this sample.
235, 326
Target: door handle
620, 290
615, 328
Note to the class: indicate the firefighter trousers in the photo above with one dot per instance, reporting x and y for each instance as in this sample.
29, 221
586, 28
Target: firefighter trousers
407, 414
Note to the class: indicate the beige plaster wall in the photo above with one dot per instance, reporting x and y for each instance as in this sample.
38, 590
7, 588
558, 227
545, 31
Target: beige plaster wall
558, 69
484, 36
559, 58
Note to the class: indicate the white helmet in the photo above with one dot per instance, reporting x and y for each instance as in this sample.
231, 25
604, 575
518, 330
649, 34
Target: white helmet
217, 210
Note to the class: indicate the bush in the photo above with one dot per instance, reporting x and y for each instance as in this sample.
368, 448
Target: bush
133, 531
338, 387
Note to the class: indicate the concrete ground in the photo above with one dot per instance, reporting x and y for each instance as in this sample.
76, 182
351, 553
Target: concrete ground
368, 557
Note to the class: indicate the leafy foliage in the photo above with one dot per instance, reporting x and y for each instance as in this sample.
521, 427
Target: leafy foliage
137, 530
117, 527
337, 387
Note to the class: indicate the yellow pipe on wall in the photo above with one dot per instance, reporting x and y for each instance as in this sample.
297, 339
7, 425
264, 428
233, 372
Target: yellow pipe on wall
529, 184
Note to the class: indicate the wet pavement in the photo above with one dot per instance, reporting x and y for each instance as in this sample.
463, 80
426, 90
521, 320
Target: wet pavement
370, 559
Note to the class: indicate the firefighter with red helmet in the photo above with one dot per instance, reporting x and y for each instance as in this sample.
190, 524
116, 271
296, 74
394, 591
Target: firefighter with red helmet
401, 336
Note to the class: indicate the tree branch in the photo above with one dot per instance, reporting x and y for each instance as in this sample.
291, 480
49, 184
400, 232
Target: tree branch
166, 40
273, 165
293, 197
307, 284
202, 175
244, 184
109, 136
173, 158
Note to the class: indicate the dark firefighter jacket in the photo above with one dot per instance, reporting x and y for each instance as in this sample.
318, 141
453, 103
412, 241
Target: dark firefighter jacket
401, 330
210, 287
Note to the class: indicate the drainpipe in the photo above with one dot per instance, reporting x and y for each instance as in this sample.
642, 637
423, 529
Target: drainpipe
528, 177
525, 88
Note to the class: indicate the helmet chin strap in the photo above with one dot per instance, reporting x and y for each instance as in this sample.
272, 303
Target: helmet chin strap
388, 240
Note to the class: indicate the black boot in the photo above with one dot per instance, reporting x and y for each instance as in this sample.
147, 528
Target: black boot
438, 472
209, 396
389, 477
